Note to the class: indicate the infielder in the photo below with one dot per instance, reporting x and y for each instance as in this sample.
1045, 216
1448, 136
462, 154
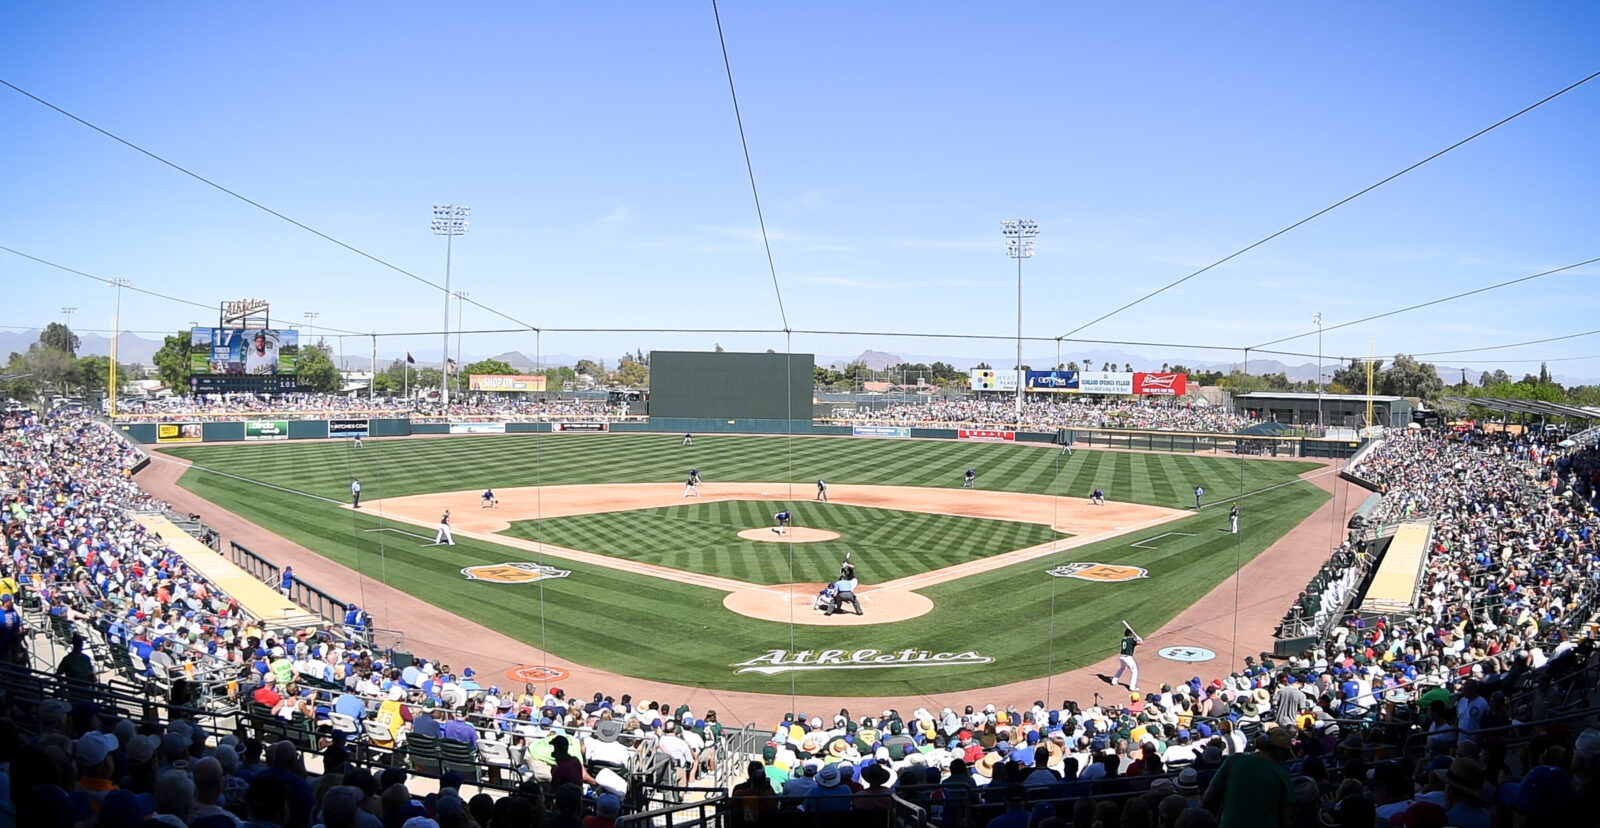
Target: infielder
1198, 493
1097, 497
355, 493
1233, 518
822, 491
783, 522
967, 481
1130, 640
443, 536
489, 500
693, 486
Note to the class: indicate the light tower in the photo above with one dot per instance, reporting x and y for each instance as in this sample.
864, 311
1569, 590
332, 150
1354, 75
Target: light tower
311, 323
1019, 235
449, 220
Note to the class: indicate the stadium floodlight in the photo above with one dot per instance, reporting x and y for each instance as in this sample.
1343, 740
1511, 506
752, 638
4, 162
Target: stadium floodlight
311, 325
449, 220
1019, 235
68, 312
1316, 319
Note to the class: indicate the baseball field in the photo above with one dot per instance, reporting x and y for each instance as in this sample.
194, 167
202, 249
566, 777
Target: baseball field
618, 571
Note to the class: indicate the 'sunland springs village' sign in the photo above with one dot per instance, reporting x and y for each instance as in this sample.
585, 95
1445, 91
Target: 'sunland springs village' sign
783, 661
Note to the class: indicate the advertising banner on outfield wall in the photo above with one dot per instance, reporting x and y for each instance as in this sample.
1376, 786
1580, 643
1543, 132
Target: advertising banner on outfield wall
1173, 385
988, 380
180, 433
1058, 382
477, 428
1105, 382
880, 431
986, 436
590, 428
506, 383
266, 429
349, 428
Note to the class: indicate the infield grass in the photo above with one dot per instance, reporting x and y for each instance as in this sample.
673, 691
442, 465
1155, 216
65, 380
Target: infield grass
1029, 623
884, 544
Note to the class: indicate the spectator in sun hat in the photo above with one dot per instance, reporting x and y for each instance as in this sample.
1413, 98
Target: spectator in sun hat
1464, 792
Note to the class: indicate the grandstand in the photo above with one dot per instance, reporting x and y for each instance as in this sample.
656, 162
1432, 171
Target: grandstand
197, 647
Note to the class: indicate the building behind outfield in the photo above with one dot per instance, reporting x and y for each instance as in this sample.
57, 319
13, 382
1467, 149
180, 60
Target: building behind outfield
1348, 410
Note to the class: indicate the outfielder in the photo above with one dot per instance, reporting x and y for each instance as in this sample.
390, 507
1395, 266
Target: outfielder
489, 500
443, 536
1130, 640
688, 439
783, 522
693, 486
822, 491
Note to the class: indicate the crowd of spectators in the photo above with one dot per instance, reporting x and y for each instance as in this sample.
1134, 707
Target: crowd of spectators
1060, 411
1431, 718
472, 408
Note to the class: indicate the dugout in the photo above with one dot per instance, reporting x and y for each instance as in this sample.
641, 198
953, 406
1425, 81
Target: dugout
700, 391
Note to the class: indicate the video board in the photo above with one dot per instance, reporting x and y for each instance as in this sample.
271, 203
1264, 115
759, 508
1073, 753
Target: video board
254, 352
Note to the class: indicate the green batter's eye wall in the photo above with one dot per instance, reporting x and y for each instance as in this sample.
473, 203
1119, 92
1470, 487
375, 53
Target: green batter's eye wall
699, 385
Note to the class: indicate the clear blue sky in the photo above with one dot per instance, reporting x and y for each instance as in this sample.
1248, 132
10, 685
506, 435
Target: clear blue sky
597, 147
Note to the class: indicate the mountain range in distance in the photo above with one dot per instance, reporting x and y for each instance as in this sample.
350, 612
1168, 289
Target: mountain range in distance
134, 349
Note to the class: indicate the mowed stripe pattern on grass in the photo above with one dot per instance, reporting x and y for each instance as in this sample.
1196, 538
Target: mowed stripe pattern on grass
623, 622
393, 468
884, 544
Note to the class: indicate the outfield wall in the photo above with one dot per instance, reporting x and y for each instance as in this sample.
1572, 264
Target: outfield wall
1160, 441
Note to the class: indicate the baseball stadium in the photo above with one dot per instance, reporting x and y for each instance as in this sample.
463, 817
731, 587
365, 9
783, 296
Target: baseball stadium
1208, 497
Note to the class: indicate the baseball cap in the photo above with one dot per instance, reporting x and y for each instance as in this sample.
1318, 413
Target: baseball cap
92, 747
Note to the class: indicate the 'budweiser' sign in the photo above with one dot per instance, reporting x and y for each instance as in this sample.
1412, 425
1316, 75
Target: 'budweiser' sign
986, 435
1174, 385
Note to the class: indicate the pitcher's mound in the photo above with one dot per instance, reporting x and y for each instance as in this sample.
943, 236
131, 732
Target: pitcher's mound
793, 602
794, 534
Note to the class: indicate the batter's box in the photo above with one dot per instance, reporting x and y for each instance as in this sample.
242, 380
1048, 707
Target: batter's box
1140, 544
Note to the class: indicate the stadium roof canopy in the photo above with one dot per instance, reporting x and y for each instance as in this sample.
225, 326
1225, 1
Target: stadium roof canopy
1307, 395
1537, 407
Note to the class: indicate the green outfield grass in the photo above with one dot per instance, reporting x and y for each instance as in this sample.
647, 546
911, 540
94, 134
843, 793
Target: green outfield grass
672, 632
884, 544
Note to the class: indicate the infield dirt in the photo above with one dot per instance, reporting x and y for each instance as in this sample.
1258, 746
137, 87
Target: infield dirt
884, 603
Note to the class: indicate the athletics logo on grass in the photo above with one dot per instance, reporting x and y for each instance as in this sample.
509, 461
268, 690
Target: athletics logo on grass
513, 573
1103, 573
784, 661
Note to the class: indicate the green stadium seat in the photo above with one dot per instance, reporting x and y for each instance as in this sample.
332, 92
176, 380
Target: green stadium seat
422, 754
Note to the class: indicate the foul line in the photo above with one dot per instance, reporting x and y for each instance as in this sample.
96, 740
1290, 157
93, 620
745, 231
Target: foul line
1140, 544
400, 531
165, 459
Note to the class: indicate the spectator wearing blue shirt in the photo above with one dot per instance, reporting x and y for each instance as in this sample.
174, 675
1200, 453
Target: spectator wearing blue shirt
458, 730
288, 581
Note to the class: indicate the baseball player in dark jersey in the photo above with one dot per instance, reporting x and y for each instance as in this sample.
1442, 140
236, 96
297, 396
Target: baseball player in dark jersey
822, 490
489, 500
783, 522
693, 486
967, 481
1097, 498
443, 536
1130, 641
